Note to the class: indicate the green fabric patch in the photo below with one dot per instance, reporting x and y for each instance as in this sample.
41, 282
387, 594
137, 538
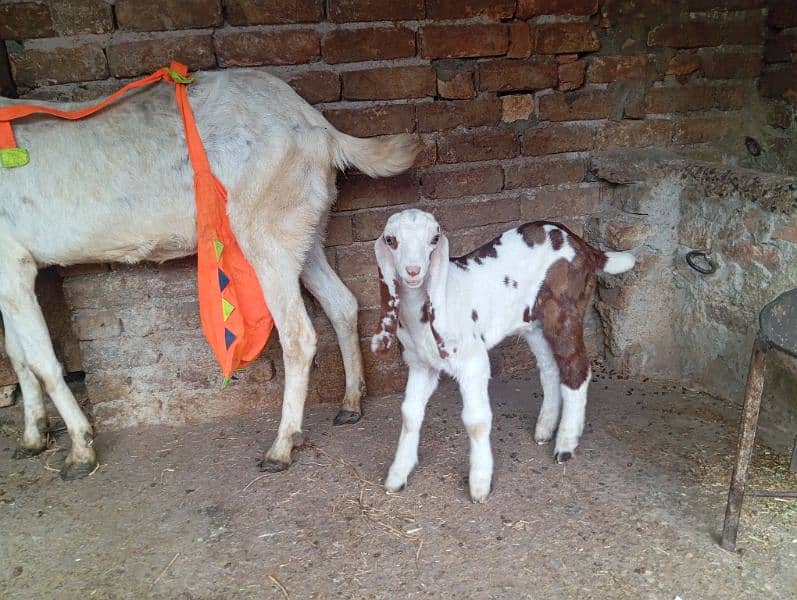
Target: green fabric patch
177, 78
225, 382
226, 308
218, 247
14, 157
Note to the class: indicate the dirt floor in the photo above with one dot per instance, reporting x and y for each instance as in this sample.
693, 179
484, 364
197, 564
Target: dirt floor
184, 513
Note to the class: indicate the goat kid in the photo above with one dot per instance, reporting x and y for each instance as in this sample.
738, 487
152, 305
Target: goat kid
535, 281
119, 188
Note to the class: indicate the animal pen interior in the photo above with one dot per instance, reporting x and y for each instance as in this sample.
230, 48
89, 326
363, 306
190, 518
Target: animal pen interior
660, 128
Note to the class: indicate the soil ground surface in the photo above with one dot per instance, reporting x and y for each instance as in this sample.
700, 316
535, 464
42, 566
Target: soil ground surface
184, 512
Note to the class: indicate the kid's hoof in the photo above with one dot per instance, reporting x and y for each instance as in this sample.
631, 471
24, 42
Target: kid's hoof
77, 470
563, 456
22, 452
268, 465
346, 417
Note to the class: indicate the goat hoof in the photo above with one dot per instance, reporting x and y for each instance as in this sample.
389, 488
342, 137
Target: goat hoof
269, 465
563, 457
346, 417
77, 470
22, 452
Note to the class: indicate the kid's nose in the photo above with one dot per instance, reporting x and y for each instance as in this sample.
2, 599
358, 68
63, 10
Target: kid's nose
413, 270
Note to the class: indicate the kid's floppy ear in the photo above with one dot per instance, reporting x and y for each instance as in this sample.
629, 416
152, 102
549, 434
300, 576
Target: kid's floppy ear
437, 280
385, 335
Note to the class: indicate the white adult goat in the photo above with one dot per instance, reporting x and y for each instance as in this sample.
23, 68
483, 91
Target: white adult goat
119, 187
535, 281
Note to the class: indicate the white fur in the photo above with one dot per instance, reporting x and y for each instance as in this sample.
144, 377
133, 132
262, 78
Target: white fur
478, 291
119, 187
618, 262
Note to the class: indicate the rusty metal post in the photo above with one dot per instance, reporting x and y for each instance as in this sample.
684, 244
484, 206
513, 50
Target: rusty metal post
744, 450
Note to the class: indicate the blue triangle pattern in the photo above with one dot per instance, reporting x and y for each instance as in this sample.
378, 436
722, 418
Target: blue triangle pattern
229, 337
223, 280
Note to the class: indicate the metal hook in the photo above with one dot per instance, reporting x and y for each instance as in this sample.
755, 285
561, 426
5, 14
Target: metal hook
690, 260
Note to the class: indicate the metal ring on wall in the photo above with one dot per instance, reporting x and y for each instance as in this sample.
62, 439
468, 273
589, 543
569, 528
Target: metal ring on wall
690, 260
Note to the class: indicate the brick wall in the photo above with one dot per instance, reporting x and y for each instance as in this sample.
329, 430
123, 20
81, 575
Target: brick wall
509, 96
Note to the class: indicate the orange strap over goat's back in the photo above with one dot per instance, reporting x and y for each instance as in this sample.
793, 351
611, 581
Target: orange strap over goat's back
234, 315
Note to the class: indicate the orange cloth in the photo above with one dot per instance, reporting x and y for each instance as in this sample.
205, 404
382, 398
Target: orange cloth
234, 315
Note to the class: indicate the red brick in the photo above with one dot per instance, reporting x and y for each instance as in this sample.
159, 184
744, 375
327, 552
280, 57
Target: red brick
519, 40
516, 107
459, 41
356, 260
626, 134
247, 48
540, 172
25, 20
781, 14
697, 34
476, 214
574, 106
682, 66
680, 99
316, 86
564, 38
82, 16
778, 82
368, 225
534, 8
466, 9
471, 146
719, 64
455, 85
624, 236
359, 191
373, 43
471, 181
529, 75
269, 12
781, 46
553, 139
33, 68
557, 204
698, 130
571, 75
439, 116
159, 15
428, 154
345, 11
135, 58
389, 83
605, 69
373, 120
339, 231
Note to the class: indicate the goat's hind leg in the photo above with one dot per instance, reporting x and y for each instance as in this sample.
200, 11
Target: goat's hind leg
341, 307
33, 348
549, 379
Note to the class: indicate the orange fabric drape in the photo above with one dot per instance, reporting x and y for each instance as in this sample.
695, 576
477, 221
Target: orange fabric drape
234, 315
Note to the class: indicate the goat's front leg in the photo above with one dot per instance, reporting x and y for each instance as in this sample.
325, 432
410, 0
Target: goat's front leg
341, 307
421, 383
477, 417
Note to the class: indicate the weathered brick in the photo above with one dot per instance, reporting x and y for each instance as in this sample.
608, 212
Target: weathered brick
33, 68
160, 15
626, 134
571, 75
787, 233
477, 214
316, 86
534, 8
781, 14
246, 48
345, 11
368, 225
777, 81
719, 64
573, 106
467, 9
25, 20
470, 146
389, 83
519, 40
82, 16
698, 130
356, 260
439, 116
135, 58
471, 181
778, 114
373, 120
373, 43
455, 85
459, 41
358, 191
680, 99
517, 107
428, 154
563, 38
605, 69
270, 12
697, 34
553, 139
683, 65
96, 324
735, 95
540, 172
339, 231
517, 75
781, 46
557, 204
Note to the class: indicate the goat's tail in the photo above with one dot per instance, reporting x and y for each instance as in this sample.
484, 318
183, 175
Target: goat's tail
615, 262
376, 157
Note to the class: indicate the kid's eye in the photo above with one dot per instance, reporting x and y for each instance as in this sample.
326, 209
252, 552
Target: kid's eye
435, 239
391, 241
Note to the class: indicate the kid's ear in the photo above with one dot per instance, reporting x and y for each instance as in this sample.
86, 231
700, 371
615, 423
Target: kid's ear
385, 335
437, 280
